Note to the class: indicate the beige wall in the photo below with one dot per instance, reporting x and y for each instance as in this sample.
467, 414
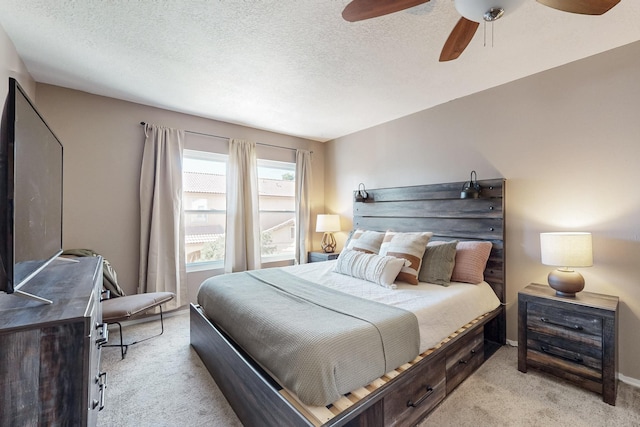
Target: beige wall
568, 143
103, 143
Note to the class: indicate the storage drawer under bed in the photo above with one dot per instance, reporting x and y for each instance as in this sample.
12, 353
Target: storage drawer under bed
413, 399
463, 359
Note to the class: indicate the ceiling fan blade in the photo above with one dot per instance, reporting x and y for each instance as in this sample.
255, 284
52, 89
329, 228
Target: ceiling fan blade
585, 7
358, 10
458, 40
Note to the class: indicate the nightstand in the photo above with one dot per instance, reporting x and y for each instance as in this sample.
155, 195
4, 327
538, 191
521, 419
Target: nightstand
574, 338
322, 256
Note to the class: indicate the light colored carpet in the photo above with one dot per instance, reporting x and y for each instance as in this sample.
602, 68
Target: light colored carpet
162, 382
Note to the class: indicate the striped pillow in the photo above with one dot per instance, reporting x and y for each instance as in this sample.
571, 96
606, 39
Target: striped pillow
471, 260
366, 241
410, 246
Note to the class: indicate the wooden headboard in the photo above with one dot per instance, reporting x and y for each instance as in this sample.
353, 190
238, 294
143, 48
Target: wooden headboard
439, 208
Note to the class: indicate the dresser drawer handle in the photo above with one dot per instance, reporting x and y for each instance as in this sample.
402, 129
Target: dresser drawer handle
429, 392
576, 359
101, 380
574, 327
104, 334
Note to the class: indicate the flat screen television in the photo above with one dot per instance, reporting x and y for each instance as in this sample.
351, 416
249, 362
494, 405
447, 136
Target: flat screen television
30, 193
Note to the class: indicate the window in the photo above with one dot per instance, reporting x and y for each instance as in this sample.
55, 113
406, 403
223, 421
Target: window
277, 201
204, 204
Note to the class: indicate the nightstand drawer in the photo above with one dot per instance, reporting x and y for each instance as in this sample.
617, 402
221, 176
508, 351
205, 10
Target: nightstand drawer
581, 361
575, 350
576, 326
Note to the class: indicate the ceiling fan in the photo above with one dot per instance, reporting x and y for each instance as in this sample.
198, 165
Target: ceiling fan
472, 13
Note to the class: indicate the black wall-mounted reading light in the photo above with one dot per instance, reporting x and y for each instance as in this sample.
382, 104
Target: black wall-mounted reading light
361, 194
471, 189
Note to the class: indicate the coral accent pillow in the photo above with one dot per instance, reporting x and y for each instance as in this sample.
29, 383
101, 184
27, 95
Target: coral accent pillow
409, 246
471, 260
381, 270
366, 241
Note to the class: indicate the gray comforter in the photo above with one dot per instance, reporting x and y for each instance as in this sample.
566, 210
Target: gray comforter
317, 342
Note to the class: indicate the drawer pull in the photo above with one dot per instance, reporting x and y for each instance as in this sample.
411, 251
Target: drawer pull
464, 362
547, 350
101, 379
574, 327
104, 334
422, 399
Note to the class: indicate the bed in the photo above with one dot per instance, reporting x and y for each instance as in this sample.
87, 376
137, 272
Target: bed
410, 389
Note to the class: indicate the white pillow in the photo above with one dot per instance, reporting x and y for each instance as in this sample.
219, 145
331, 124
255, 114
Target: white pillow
366, 241
381, 270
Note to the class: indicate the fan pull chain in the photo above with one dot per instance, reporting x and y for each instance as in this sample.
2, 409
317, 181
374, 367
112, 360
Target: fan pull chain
484, 28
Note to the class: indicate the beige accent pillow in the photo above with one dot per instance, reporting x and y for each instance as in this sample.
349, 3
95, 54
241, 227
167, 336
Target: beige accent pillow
438, 262
381, 270
366, 241
409, 246
471, 260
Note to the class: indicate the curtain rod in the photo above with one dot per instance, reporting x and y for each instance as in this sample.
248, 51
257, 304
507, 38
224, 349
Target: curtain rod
226, 137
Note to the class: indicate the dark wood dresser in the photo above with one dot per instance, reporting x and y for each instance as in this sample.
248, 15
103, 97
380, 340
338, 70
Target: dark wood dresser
574, 338
50, 354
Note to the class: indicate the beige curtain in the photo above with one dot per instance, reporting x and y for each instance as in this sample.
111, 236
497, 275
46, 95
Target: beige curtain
303, 205
162, 260
242, 241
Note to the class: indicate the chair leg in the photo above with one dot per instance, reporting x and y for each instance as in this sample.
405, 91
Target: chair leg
124, 347
156, 335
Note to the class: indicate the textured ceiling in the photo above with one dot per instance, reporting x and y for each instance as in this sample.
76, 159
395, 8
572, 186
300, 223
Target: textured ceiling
293, 66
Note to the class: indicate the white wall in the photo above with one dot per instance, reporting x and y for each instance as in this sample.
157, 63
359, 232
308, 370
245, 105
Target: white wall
103, 142
12, 66
568, 143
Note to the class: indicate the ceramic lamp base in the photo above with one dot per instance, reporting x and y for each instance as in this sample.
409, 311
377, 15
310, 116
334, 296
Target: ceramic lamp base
566, 282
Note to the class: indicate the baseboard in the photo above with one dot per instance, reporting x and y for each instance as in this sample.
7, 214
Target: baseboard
625, 379
628, 380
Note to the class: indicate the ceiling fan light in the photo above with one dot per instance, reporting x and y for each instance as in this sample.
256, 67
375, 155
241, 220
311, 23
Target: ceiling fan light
493, 14
475, 10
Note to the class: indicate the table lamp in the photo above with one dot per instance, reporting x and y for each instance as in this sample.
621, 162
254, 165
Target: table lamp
327, 224
566, 250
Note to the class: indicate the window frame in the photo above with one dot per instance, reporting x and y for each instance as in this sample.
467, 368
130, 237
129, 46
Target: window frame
284, 166
211, 157
266, 260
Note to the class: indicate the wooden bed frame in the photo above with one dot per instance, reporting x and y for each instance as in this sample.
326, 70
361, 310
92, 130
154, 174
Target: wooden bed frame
406, 395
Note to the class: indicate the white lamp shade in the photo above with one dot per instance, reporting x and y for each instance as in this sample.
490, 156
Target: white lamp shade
474, 10
566, 249
328, 223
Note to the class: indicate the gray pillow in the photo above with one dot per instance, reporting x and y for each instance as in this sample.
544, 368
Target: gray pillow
438, 262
